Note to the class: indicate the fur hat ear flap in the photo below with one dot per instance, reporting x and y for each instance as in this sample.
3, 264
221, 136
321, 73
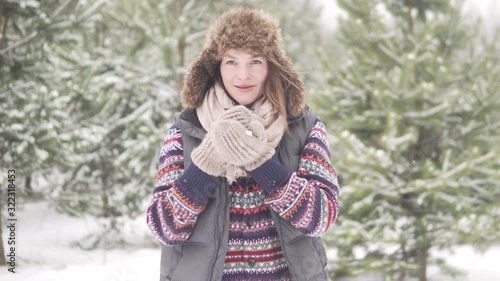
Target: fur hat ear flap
198, 79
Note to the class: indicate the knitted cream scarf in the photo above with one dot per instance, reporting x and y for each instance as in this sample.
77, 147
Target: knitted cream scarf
216, 101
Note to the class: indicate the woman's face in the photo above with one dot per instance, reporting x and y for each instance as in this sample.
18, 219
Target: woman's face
243, 75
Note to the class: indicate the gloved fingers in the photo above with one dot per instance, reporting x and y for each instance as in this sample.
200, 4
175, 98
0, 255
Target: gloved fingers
223, 127
238, 113
257, 130
205, 158
247, 134
236, 144
246, 138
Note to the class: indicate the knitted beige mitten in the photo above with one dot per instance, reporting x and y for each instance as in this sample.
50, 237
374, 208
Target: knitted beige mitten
240, 146
240, 114
205, 157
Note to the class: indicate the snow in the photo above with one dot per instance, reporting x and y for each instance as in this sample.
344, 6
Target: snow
44, 249
44, 238
479, 266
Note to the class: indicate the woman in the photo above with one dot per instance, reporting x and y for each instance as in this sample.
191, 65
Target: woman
245, 184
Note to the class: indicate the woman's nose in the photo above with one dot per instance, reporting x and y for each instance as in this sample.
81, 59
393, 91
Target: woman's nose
244, 72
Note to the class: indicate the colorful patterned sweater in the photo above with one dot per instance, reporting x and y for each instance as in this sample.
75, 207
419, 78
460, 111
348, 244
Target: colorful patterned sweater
307, 198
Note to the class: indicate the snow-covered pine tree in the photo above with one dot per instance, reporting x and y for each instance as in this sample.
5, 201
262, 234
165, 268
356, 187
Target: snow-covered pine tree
415, 108
32, 109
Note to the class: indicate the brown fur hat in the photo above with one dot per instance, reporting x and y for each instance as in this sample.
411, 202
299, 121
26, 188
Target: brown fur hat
249, 30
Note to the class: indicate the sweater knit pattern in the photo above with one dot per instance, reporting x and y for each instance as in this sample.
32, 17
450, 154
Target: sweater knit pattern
306, 198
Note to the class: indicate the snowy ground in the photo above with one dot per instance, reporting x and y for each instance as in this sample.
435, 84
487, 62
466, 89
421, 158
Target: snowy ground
44, 253
44, 250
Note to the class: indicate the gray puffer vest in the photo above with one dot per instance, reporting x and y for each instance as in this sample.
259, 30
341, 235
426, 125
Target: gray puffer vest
201, 257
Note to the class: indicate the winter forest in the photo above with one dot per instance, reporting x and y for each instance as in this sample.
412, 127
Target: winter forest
409, 91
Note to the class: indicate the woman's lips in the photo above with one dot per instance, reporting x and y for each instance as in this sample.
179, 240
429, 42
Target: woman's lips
244, 88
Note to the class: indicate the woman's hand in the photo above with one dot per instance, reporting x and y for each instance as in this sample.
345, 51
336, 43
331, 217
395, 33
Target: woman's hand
205, 157
243, 146
240, 114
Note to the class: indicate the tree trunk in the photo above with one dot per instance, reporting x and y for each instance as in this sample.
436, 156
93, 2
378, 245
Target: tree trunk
409, 23
402, 273
422, 254
29, 189
3, 261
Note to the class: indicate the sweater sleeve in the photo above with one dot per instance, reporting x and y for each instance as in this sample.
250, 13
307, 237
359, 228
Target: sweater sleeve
307, 198
180, 194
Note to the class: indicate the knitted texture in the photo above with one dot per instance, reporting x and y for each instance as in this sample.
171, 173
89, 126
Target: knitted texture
307, 198
242, 146
176, 188
271, 174
206, 158
252, 235
240, 114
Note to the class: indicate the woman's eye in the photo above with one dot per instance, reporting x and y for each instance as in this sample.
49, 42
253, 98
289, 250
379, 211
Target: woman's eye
256, 62
230, 62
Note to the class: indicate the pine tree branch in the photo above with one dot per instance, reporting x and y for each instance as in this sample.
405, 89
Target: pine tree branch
19, 44
32, 35
60, 9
